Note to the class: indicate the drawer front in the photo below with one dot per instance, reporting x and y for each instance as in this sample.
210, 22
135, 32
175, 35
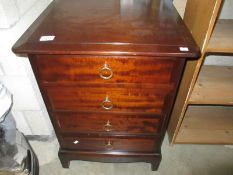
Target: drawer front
62, 68
109, 144
71, 122
74, 98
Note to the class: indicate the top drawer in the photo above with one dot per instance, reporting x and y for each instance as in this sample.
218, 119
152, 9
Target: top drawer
93, 69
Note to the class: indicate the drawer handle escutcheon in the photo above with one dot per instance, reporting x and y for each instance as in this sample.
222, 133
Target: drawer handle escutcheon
108, 126
106, 69
107, 104
109, 145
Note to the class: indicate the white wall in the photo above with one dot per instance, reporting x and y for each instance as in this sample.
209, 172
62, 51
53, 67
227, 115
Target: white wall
226, 12
180, 6
15, 72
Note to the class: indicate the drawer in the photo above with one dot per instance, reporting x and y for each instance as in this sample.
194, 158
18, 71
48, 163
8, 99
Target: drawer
109, 144
68, 68
125, 99
71, 122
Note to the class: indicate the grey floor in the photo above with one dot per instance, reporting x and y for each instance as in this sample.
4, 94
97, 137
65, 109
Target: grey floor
177, 160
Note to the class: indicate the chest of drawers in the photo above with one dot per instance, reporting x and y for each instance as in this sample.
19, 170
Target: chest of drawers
109, 75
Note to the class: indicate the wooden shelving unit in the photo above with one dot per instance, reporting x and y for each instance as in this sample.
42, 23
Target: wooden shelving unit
214, 86
203, 112
221, 40
207, 125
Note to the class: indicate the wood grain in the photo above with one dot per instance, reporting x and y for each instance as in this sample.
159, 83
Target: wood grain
108, 124
181, 100
109, 27
141, 41
76, 98
117, 144
214, 86
197, 17
200, 17
84, 69
207, 125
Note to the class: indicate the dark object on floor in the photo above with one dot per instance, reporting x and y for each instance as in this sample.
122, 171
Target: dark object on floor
16, 154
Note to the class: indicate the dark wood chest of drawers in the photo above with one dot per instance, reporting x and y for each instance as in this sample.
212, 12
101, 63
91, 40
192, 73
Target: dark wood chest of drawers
108, 71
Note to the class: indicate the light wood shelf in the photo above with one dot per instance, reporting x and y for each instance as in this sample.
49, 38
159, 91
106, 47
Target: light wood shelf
221, 40
214, 86
203, 111
207, 125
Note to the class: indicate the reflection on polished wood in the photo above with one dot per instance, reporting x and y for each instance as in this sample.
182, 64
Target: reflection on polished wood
109, 27
110, 76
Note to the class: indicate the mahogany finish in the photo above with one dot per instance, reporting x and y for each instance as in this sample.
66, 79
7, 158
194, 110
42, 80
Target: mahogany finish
126, 99
108, 156
108, 123
110, 144
109, 27
84, 69
110, 76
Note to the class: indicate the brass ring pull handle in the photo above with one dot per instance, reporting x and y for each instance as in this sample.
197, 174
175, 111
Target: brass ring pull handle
108, 145
107, 104
106, 73
108, 126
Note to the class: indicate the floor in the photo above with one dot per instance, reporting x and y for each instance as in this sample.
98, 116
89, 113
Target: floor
177, 160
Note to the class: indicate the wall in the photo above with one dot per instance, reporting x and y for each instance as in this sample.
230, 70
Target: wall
15, 72
180, 6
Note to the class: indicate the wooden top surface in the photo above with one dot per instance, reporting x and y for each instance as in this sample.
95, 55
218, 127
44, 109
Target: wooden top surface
120, 27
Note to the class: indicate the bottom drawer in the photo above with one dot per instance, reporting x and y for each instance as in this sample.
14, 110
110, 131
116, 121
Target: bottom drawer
110, 144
